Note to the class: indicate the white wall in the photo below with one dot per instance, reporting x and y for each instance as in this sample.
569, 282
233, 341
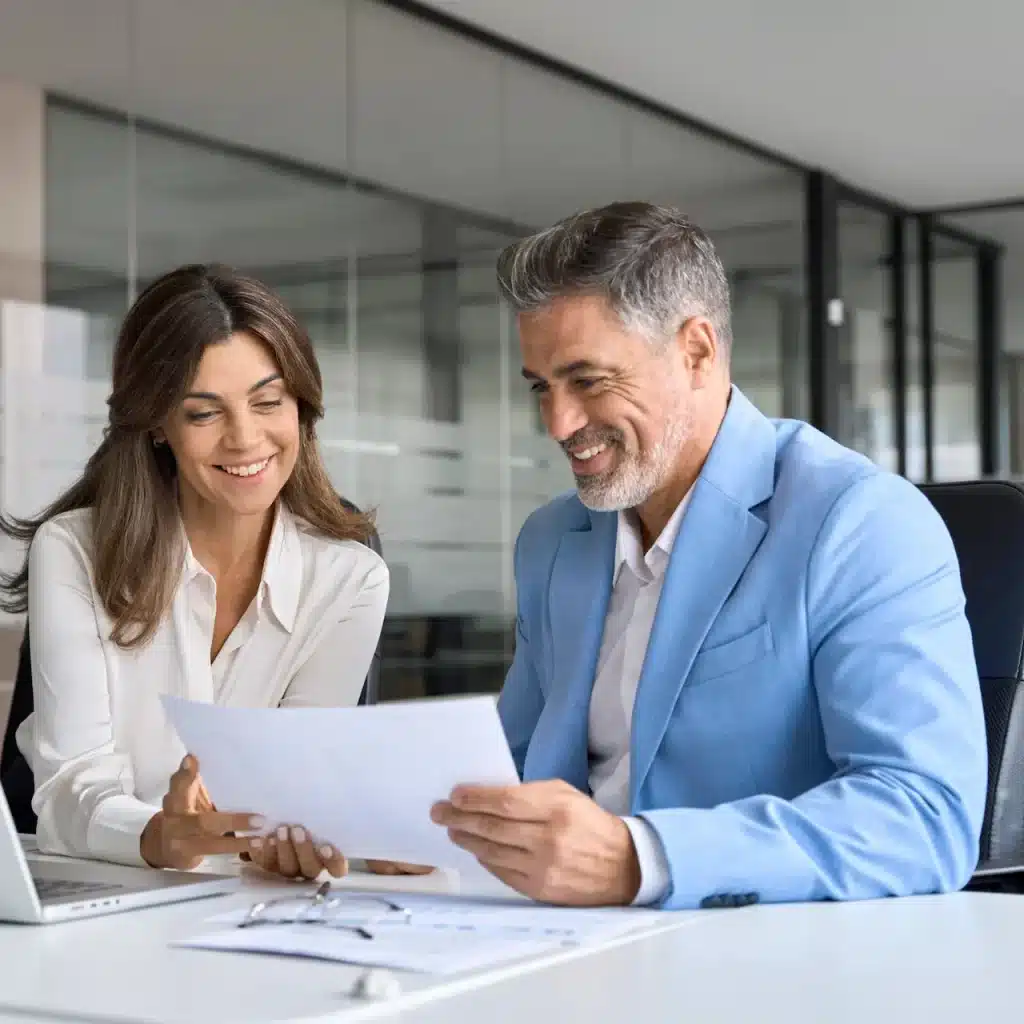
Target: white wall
22, 186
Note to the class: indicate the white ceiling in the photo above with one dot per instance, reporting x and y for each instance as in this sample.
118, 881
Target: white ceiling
918, 100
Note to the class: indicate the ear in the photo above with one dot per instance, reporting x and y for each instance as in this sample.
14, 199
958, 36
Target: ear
159, 437
698, 343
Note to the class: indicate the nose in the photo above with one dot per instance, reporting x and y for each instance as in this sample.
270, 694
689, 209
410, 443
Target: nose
563, 414
243, 431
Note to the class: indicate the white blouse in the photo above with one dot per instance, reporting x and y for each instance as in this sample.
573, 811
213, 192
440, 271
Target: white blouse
98, 742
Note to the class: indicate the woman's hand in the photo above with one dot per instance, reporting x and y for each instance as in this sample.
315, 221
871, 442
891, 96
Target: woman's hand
189, 828
293, 853
395, 867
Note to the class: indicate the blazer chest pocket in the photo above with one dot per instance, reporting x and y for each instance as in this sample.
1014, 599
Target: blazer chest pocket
732, 655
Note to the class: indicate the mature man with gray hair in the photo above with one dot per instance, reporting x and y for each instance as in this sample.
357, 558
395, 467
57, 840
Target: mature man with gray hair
743, 670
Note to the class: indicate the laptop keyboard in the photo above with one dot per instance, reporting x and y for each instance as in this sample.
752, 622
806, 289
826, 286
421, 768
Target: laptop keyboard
60, 888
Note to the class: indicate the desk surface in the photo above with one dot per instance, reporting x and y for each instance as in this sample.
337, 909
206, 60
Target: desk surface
941, 959
945, 960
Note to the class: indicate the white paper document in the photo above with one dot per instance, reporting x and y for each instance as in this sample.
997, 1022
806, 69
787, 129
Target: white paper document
409, 951
362, 778
433, 934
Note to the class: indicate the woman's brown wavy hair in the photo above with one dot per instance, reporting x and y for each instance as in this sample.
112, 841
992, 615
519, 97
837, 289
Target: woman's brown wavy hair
130, 484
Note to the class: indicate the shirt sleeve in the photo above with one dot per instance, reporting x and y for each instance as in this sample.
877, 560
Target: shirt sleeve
334, 673
655, 877
85, 789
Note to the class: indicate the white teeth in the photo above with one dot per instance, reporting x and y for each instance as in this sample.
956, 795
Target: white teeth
250, 470
589, 453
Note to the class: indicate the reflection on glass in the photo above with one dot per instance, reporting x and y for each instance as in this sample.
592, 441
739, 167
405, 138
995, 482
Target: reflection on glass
762, 252
1005, 226
956, 430
867, 397
917, 463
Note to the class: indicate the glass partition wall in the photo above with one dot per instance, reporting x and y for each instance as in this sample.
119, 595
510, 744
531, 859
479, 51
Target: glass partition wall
372, 179
1001, 299
905, 337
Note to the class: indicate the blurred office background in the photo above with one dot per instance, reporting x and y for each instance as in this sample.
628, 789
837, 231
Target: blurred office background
369, 159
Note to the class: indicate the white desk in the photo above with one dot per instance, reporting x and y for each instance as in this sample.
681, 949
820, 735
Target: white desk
941, 959
121, 967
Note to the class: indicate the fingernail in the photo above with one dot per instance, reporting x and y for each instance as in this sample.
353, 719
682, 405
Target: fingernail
255, 844
298, 835
282, 833
184, 763
327, 852
257, 822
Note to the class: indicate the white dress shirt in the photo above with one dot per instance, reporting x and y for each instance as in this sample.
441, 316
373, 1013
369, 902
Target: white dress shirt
636, 589
98, 742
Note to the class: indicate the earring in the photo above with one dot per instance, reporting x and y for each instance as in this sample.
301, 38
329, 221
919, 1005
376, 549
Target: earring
157, 443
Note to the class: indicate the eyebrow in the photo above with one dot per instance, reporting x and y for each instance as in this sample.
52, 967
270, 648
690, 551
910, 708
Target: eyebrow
567, 370
212, 397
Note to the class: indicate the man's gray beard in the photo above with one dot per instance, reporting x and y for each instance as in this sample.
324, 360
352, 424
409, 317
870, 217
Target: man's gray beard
633, 481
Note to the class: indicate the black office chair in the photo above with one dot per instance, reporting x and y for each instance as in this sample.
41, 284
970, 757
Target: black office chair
986, 521
15, 774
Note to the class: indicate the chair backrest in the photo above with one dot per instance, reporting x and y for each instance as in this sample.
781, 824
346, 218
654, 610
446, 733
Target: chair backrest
15, 774
371, 688
985, 518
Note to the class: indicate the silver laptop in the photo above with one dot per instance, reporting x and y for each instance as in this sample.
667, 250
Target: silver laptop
35, 889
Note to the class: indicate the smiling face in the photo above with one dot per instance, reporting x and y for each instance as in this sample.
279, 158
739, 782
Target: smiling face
235, 436
622, 409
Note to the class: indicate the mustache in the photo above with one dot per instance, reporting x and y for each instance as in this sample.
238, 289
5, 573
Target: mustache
590, 438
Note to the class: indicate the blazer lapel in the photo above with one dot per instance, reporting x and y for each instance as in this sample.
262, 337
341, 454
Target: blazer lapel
580, 588
718, 537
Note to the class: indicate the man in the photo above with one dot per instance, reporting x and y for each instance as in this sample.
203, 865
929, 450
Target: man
742, 662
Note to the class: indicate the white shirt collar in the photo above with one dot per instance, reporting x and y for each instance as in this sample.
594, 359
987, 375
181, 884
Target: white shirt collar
629, 549
281, 581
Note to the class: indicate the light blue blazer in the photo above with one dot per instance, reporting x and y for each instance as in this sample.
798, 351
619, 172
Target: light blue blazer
808, 722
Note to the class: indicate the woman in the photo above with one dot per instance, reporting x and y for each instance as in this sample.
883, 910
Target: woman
203, 553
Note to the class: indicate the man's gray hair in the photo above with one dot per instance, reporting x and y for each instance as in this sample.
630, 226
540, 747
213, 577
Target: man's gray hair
653, 265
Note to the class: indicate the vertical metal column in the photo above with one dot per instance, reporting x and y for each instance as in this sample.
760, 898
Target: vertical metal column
898, 291
824, 306
927, 318
440, 308
990, 304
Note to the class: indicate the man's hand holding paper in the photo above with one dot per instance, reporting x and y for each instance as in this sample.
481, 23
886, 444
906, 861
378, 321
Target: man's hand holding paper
546, 840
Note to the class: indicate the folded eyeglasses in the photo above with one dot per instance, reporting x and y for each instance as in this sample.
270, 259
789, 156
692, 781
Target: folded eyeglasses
330, 910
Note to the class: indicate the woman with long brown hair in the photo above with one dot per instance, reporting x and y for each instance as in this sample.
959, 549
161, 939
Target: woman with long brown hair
203, 552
